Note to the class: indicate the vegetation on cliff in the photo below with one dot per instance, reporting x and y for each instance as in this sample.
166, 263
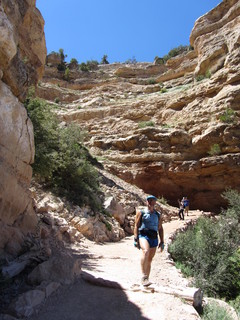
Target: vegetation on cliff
173, 53
62, 163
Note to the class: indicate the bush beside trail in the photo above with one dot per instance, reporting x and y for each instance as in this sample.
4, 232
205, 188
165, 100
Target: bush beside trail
62, 163
210, 251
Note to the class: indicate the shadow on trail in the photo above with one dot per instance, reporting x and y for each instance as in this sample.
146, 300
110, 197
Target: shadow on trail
89, 300
85, 301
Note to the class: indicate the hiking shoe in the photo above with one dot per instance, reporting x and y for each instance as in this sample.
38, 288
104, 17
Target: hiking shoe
145, 282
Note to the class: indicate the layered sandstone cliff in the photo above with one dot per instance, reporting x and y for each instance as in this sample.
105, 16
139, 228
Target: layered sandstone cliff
191, 105
22, 57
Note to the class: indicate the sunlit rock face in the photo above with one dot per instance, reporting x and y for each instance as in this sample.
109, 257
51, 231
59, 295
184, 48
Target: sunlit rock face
173, 129
22, 56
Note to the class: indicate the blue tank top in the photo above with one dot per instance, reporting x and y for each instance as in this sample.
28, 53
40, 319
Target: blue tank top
150, 220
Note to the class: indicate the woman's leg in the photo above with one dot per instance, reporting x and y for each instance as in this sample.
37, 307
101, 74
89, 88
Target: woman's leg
147, 256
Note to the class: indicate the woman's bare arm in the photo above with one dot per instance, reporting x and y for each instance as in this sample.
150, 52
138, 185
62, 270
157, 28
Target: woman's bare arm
137, 223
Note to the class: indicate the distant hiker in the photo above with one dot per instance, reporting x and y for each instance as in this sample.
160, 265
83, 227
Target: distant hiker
186, 205
148, 225
181, 210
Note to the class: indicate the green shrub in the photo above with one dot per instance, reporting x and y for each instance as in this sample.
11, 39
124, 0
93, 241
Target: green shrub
208, 74
152, 81
89, 65
45, 137
73, 63
158, 60
210, 251
228, 116
108, 225
233, 198
214, 150
186, 270
83, 67
67, 74
173, 53
213, 311
54, 52
92, 64
163, 90
166, 125
25, 60
144, 124
131, 61
236, 305
61, 67
200, 77
61, 160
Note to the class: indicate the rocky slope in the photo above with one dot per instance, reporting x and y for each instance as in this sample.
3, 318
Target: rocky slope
22, 56
191, 105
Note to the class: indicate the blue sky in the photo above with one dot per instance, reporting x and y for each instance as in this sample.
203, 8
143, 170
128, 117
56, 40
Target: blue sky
121, 29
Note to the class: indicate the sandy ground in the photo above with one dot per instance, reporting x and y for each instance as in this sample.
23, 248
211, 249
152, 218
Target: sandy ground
120, 263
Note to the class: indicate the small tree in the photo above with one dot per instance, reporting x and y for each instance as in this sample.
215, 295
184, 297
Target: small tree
62, 65
92, 64
62, 55
67, 74
158, 60
173, 53
133, 60
83, 67
73, 63
104, 59
62, 162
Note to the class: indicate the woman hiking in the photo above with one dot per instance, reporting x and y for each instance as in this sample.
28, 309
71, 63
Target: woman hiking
148, 225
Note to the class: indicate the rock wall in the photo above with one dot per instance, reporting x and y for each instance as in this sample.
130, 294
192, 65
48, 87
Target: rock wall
22, 56
189, 145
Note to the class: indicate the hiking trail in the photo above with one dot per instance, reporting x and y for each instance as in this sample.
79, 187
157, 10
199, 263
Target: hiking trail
120, 264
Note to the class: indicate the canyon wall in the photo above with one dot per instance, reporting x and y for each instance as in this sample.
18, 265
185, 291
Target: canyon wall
22, 56
173, 129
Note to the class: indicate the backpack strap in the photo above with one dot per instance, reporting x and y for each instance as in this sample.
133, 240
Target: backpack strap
142, 213
158, 214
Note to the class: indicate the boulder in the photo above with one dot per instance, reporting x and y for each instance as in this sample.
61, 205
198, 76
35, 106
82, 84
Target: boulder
62, 268
115, 209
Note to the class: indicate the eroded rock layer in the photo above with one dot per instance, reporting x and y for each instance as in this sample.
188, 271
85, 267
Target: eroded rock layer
22, 56
173, 129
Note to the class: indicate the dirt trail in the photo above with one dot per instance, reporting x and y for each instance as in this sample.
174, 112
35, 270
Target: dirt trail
120, 262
